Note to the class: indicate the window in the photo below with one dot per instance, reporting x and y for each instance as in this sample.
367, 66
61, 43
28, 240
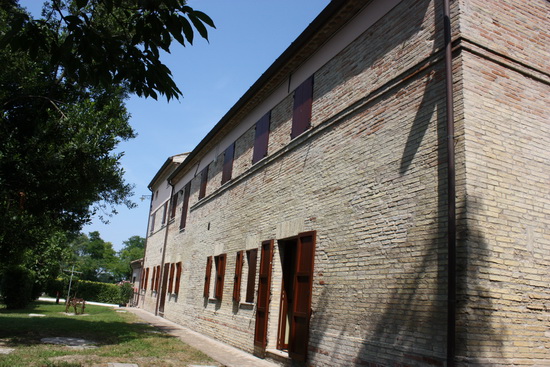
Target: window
178, 277
206, 292
220, 261
261, 138
153, 278
186, 192
157, 278
301, 117
228, 163
164, 210
171, 277
174, 205
251, 259
144, 284
153, 217
238, 276
204, 181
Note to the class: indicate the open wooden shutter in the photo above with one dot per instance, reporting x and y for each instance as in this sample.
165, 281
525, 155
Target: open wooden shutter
171, 278
261, 138
153, 277
204, 181
264, 284
228, 163
238, 277
220, 275
206, 292
157, 281
144, 286
252, 256
178, 277
184, 209
303, 283
301, 116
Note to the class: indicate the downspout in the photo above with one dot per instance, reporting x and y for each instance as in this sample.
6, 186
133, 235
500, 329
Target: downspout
451, 190
161, 280
145, 249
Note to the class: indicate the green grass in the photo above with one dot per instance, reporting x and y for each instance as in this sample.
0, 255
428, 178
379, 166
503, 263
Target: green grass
120, 337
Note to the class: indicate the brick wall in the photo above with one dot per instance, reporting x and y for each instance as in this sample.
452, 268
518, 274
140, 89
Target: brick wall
370, 179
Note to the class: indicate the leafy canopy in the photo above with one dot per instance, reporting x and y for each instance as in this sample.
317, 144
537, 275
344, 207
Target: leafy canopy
63, 83
106, 42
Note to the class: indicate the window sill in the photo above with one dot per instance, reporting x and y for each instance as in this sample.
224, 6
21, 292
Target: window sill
246, 305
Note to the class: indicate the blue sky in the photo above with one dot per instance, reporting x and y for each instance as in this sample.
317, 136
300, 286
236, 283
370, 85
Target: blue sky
249, 36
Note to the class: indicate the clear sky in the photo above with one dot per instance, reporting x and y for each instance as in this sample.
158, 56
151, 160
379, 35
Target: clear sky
249, 36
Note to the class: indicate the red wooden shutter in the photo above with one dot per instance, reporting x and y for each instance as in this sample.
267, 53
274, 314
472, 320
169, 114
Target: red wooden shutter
174, 205
303, 283
171, 279
261, 139
184, 209
303, 99
264, 284
228, 163
204, 181
144, 286
206, 292
157, 281
220, 275
252, 256
178, 277
153, 277
238, 277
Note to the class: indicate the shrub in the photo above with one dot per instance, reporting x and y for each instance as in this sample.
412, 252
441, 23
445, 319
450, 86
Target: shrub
96, 291
16, 286
126, 292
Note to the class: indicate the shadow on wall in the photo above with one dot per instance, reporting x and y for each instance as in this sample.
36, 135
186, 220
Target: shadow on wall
410, 328
478, 337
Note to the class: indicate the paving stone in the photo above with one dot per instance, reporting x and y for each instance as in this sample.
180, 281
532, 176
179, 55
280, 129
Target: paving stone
6, 350
36, 315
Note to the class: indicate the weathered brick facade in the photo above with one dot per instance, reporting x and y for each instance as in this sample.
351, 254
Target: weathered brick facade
370, 179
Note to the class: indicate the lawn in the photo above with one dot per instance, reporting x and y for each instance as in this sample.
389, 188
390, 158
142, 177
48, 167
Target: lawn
118, 338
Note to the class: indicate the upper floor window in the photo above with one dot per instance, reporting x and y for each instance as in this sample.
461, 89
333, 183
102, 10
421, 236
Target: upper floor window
301, 116
261, 138
185, 207
204, 181
228, 163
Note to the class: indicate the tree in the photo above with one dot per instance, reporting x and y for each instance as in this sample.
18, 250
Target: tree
133, 249
63, 82
93, 257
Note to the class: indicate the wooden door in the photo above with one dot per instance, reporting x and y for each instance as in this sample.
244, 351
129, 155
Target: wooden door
163, 288
264, 285
302, 289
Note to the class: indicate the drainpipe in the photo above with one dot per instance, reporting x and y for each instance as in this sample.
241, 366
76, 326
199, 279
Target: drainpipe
161, 280
451, 191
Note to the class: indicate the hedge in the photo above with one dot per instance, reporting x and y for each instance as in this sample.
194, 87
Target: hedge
90, 291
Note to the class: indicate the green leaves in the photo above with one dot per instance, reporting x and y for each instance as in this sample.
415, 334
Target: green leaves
99, 42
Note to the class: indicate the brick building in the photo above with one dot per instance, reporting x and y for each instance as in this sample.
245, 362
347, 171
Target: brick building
379, 197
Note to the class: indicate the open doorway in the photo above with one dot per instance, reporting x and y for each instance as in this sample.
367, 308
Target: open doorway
287, 250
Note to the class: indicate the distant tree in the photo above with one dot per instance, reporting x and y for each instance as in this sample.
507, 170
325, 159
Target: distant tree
93, 257
133, 249
63, 82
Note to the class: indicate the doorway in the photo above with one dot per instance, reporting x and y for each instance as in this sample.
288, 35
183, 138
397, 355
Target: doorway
287, 250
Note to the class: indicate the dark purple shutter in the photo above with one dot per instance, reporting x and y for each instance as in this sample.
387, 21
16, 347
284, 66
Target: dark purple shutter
228, 163
184, 209
204, 181
174, 205
261, 139
301, 117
